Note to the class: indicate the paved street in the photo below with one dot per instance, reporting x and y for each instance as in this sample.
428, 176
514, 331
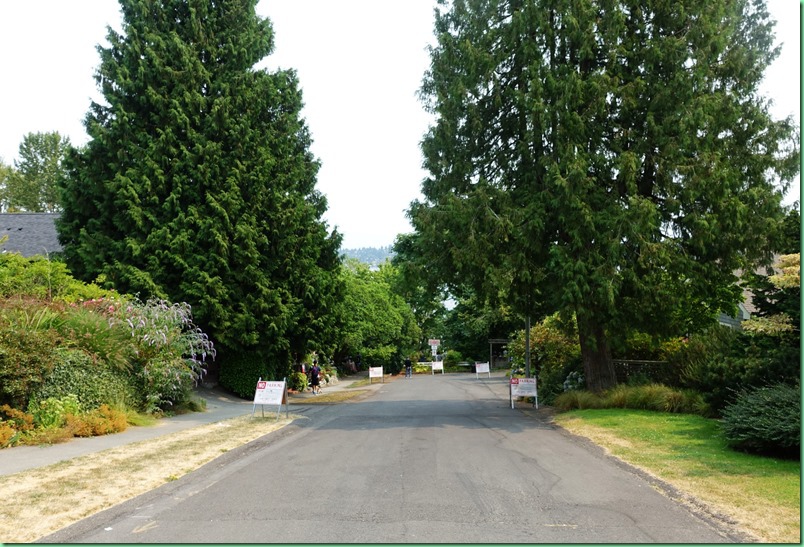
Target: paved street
436, 458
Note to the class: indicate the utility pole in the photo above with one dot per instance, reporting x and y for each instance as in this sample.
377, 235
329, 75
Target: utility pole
527, 347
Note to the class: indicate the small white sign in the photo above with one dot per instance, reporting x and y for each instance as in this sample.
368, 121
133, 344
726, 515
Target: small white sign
482, 368
437, 365
523, 387
269, 393
375, 372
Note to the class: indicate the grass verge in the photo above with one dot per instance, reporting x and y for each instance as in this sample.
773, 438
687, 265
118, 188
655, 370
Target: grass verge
762, 495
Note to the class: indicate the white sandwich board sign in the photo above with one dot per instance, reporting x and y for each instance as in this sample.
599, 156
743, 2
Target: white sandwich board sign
437, 365
482, 368
376, 372
523, 387
271, 393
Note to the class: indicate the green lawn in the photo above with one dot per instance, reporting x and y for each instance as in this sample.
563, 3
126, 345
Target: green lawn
762, 494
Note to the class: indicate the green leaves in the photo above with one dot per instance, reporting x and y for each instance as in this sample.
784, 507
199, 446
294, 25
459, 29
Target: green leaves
608, 158
197, 183
33, 185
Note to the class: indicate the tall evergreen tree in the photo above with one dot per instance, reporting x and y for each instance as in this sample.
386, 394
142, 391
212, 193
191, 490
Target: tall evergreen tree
198, 184
611, 159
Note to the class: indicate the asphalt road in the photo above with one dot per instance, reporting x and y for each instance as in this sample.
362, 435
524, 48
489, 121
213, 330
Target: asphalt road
432, 459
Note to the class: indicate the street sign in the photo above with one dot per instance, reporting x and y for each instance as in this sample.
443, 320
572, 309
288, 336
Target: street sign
482, 367
376, 372
523, 387
434, 342
271, 393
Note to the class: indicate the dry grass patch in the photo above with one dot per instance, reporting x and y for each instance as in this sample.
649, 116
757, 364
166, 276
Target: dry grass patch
334, 397
39, 502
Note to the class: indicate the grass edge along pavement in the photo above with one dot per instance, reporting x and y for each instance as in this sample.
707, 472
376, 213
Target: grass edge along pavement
761, 496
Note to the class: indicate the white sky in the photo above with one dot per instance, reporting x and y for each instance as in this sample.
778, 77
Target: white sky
360, 63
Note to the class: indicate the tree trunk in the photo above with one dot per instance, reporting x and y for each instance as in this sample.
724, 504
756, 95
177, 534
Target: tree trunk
596, 353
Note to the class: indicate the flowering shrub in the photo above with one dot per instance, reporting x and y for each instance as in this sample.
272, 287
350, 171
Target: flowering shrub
574, 381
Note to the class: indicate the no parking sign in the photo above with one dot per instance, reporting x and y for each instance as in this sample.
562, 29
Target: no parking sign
271, 393
523, 387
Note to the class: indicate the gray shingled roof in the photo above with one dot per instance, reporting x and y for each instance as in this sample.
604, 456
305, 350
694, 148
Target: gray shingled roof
29, 233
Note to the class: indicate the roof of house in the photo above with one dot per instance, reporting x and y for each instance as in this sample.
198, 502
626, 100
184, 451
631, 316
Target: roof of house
29, 233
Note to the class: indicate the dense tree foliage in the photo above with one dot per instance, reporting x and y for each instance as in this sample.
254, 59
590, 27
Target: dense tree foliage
377, 323
5, 173
611, 159
197, 183
32, 186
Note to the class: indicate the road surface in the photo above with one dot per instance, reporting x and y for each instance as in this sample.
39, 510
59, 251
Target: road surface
431, 459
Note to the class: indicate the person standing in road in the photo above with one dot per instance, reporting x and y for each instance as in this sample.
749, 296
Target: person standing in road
315, 379
408, 368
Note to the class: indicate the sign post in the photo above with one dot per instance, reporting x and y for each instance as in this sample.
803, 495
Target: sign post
271, 393
523, 387
434, 343
482, 367
376, 372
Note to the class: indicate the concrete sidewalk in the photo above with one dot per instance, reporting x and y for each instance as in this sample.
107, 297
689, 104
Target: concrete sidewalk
220, 406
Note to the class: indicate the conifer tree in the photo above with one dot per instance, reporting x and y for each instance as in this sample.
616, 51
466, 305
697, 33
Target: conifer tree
611, 159
197, 183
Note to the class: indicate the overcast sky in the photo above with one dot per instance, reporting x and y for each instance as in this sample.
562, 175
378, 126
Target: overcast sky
360, 63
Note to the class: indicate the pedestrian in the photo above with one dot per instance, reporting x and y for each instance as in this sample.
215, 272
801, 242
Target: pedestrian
408, 368
315, 379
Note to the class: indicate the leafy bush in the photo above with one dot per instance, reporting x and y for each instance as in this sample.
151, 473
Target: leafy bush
555, 354
452, 358
297, 381
766, 420
388, 357
26, 359
52, 412
722, 362
100, 421
165, 383
240, 373
44, 279
93, 384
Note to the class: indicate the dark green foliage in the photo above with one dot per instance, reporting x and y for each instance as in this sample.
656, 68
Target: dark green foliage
27, 357
197, 183
75, 373
555, 354
766, 420
607, 159
241, 372
721, 362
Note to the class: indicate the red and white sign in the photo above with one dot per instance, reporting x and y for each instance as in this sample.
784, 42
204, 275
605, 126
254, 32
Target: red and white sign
434, 342
269, 393
523, 387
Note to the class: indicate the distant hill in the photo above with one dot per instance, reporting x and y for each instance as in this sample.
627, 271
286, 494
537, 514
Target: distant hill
373, 256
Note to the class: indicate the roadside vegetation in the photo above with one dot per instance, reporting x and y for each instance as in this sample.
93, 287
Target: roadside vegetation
762, 495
